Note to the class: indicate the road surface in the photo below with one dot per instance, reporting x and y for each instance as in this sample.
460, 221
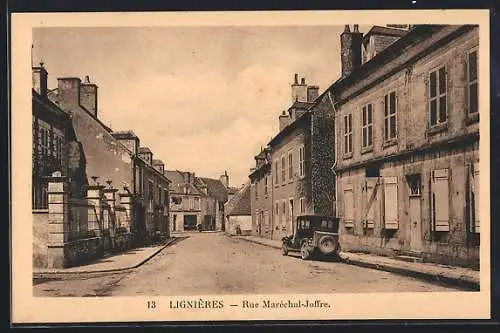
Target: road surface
212, 263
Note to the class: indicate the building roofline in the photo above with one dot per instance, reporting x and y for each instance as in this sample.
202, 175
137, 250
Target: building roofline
290, 128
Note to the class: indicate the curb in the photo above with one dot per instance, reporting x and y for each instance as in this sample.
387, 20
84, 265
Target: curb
465, 283
62, 274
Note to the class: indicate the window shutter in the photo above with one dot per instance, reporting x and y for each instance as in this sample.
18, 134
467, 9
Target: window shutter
476, 196
440, 200
348, 207
370, 206
391, 203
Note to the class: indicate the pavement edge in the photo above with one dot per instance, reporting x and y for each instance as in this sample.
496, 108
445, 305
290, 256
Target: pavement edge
464, 283
66, 275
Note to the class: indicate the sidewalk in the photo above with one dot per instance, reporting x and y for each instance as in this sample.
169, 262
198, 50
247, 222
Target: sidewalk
456, 276
120, 262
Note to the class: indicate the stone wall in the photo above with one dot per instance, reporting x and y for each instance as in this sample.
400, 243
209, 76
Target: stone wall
323, 157
40, 237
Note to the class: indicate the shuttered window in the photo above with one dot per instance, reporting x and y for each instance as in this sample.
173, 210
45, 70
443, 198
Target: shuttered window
370, 203
440, 200
437, 96
474, 199
472, 70
391, 203
348, 207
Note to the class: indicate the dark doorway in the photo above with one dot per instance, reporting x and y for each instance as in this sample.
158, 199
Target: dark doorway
189, 222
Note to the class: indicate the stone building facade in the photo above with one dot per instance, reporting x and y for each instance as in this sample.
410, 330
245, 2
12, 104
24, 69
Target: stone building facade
284, 182
407, 133
85, 195
185, 201
197, 203
261, 194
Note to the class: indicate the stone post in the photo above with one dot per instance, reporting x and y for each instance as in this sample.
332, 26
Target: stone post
126, 201
110, 197
58, 196
94, 198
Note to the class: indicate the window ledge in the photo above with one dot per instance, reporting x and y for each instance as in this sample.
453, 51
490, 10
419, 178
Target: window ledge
39, 210
366, 150
472, 118
437, 129
347, 156
390, 143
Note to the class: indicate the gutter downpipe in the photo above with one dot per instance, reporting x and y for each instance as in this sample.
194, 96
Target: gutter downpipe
336, 151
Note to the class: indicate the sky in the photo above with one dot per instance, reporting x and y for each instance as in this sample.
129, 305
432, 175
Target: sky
203, 99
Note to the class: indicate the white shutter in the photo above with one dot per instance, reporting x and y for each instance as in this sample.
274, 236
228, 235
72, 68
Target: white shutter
348, 207
391, 203
370, 206
440, 201
476, 197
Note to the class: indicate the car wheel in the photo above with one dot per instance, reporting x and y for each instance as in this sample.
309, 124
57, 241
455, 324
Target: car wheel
284, 250
327, 245
305, 252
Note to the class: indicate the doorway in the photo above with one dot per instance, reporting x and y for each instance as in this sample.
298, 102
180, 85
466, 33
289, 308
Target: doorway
415, 211
190, 222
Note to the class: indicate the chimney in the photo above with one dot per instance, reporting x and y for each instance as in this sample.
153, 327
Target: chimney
39, 76
284, 120
299, 91
350, 50
312, 93
88, 96
68, 92
296, 80
224, 179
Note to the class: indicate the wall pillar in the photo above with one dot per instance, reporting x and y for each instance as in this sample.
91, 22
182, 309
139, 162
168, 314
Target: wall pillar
126, 202
94, 198
58, 195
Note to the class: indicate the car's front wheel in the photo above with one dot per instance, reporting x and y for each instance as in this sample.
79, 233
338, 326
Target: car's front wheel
305, 251
284, 250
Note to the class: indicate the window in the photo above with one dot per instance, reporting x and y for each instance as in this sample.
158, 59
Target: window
472, 74
390, 122
290, 165
302, 203
437, 96
348, 207
290, 209
283, 169
44, 141
474, 198
348, 134
440, 200
265, 186
276, 173
283, 209
151, 194
391, 203
277, 208
414, 185
302, 170
367, 122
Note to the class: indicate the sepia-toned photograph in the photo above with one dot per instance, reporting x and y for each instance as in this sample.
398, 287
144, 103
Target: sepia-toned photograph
253, 167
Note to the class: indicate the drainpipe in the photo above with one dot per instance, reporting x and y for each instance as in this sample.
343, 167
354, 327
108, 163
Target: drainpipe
336, 150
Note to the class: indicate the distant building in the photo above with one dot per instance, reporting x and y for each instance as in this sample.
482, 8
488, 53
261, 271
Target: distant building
261, 194
185, 201
408, 142
197, 202
238, 213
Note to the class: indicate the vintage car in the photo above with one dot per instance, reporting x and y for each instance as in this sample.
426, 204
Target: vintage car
313, 234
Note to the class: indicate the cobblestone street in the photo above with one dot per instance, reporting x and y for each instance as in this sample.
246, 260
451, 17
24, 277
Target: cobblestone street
211, 263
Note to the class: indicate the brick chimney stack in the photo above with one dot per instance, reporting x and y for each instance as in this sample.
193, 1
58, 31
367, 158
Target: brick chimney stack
88, 96
224, 179
68, 92
299, 91
350, 49
39, 76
